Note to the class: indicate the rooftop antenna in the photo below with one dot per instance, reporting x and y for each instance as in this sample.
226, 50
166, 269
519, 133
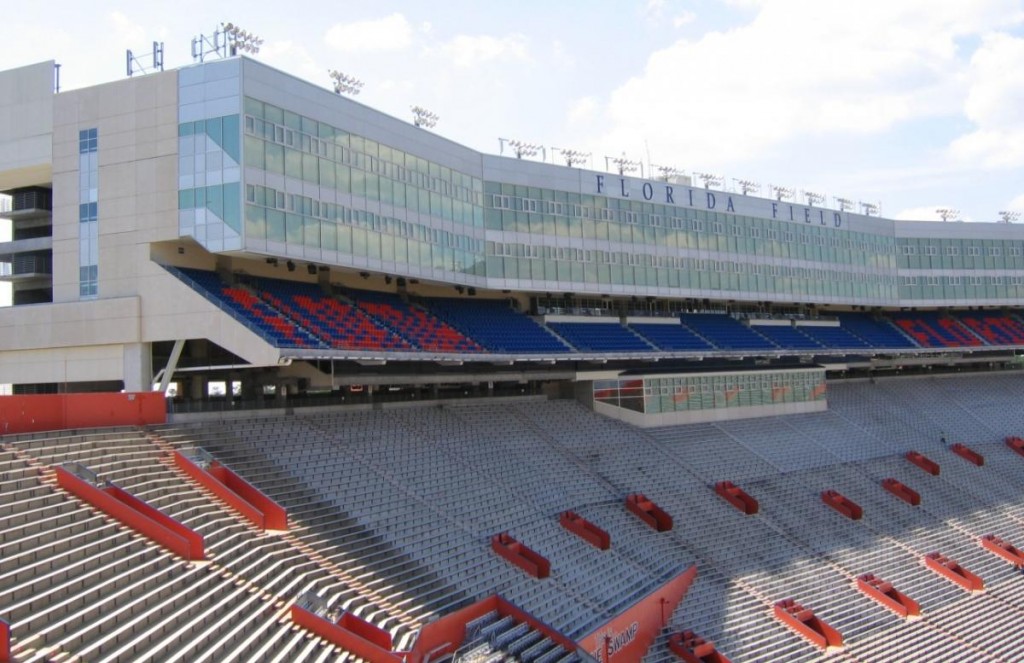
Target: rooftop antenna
521, 149
948, 213
572, 157
56, 78
813, 198
135, 65
709, 179
1006, 216
869, 209
624, 165
421, 117
746, 186
345, 84
844, 204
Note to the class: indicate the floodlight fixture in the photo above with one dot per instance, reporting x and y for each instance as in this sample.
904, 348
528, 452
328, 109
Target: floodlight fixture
948, 213
624, 165
666, 173
710, 179
345, 84
869, 209
421, 117
814, 198
746, 186
522, 148
573, 157
782, 192
1007, 216
240, 40
844, 204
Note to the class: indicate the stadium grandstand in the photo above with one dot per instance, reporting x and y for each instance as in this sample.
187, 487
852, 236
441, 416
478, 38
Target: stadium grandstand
295, 380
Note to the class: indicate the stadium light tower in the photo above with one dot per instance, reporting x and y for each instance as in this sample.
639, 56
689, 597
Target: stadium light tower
624, 165
240, 40
227, 40
1006, 216
844, 204
813, 198
345, 84
572, 157
746, 186
948, 213
869, 209
782, 192
521, 148
709, 179
666, 173
421, 117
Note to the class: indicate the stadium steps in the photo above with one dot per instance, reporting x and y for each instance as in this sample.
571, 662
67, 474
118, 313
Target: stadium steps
123, 621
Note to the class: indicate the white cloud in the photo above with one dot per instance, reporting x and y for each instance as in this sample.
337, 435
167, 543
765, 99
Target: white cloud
1017, 204
583, 109
800, 69
390, 33
132, 34
467, 51
684, 18
993, 105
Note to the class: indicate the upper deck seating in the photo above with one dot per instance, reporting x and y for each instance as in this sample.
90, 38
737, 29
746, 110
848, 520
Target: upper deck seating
931, 330
670, 337
725, 332
495, 325
788, 337
414, 324
249, 309
997, 329
600, 337
834, 337
340, 324
877, 332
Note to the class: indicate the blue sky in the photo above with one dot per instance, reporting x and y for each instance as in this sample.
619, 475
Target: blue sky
913, 104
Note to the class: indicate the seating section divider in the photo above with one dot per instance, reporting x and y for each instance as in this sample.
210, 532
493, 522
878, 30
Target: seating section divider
736, 496
954, 572
650, 513
922, 461
968, 454
350, 633
804, 622
239, 494
585, 529
884, 593
136, 514
842, 504
520, 555
1003, 549
902, 491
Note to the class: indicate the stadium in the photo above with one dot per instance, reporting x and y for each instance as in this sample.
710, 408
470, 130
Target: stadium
429, 404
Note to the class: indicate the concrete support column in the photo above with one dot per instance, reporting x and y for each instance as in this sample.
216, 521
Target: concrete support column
138, 367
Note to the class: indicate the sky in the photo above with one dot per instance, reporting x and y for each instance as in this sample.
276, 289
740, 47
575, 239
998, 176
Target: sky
913, 105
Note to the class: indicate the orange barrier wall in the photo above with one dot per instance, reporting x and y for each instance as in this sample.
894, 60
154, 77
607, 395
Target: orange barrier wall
5, 642
238, 493
26, 414
628, 635
136, 514
352, 633
274, 515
